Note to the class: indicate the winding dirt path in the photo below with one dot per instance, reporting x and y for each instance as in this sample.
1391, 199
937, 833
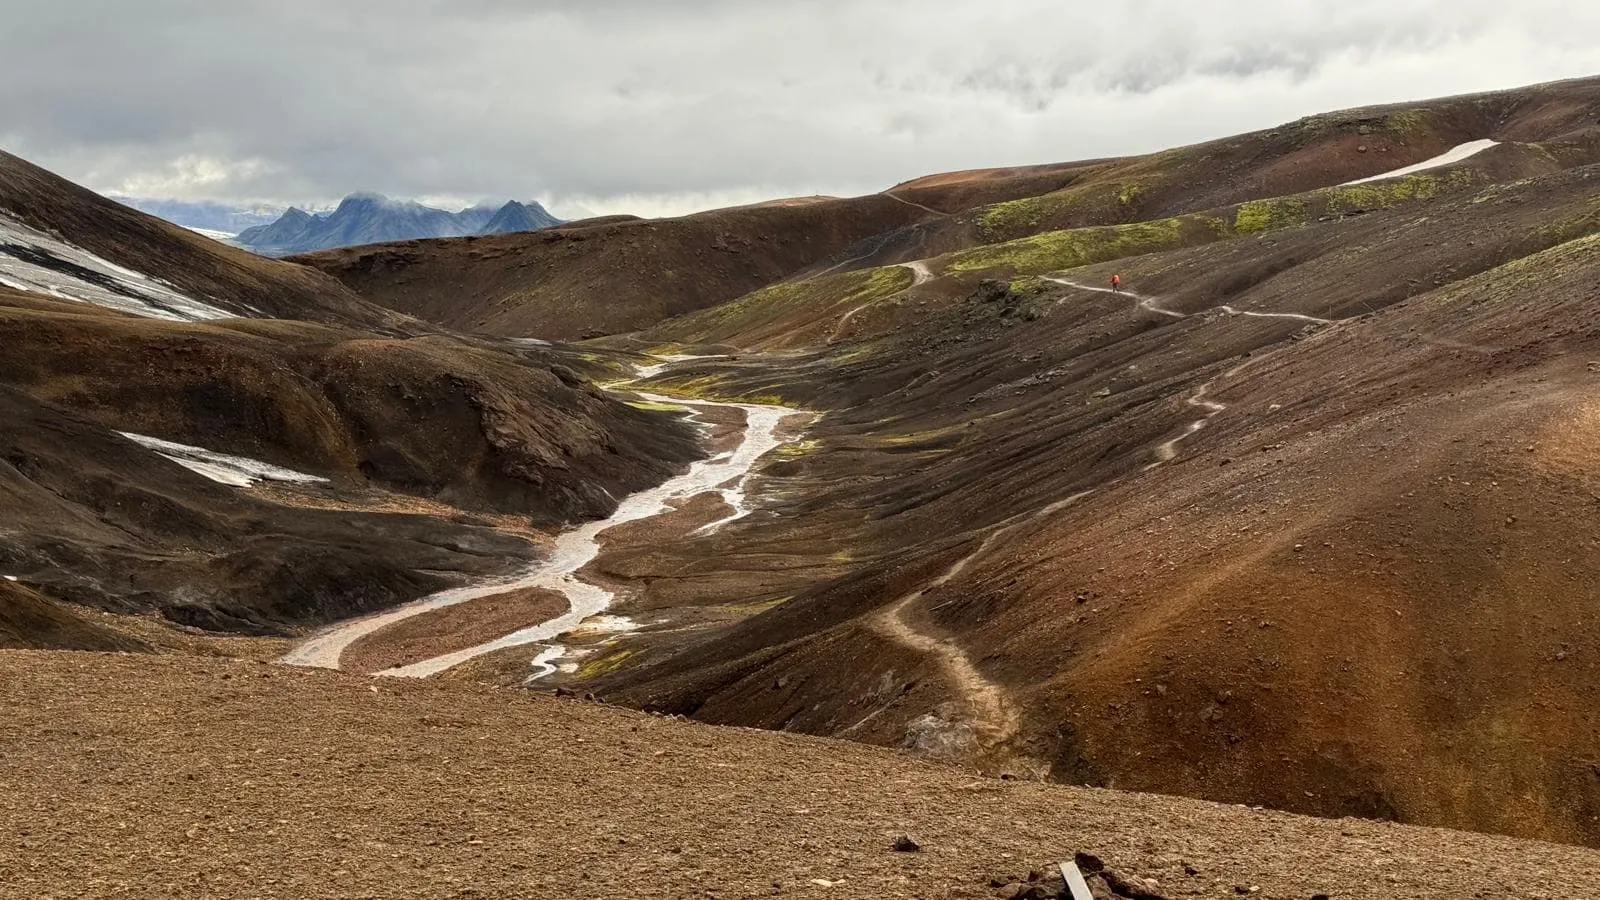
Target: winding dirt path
993, 717
893, 196
920, 274
995, 721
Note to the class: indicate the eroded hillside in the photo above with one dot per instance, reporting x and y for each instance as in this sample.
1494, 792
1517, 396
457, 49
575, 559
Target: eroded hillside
1301, 519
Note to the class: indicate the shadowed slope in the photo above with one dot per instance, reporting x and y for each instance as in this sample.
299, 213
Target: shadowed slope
1333, 545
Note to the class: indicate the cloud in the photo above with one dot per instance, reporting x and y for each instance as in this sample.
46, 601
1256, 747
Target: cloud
656, 107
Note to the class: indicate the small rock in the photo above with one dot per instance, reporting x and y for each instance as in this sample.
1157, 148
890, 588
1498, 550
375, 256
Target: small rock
1361, 149
905, 843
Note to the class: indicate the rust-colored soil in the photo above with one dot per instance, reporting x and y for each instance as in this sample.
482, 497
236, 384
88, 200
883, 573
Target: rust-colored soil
138, 777
452, 628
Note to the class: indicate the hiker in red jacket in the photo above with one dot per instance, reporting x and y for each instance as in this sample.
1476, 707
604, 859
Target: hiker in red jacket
1116, 283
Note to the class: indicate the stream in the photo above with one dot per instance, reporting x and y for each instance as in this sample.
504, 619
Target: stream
573, 549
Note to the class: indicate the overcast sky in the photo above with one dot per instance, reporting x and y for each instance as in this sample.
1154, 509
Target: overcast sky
664, 106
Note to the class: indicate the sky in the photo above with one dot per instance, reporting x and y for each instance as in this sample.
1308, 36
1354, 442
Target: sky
661, 107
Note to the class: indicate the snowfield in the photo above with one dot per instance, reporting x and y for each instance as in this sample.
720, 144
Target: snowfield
1453, 155
237, 471
31, 260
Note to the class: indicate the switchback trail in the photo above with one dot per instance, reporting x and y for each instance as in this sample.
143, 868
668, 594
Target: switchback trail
994, 720
920, 274
1151, 304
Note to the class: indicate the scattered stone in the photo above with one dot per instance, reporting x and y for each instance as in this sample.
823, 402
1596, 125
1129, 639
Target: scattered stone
1365, 129
1361, 149
1037, 886
905, 843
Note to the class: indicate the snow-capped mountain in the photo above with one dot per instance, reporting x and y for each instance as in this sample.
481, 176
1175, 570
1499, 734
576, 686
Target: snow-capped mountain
367, 218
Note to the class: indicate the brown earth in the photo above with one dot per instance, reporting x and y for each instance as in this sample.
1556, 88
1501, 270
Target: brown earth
140, 777
435, 416
570, 282
1354, 589
92, 521
1547, 127
223, 276
452, 628
1308, 521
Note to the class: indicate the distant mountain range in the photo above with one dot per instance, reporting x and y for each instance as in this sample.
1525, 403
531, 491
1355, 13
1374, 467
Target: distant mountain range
205, 215
373, 218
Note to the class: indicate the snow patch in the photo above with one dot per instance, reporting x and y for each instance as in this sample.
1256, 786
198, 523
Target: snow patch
31, 260
1453, 155
237, 471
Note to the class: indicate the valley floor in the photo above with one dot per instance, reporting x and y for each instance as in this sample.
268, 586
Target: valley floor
132, 776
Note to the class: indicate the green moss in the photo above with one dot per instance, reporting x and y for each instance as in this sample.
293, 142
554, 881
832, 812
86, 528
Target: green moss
792, 301
1055, 250
1393, 191
797, 449
605, 665
1406, 123
711, 387
1028, 286
1018, 217
655, 406
1270, 215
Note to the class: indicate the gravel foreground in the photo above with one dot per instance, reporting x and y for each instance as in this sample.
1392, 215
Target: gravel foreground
139, 776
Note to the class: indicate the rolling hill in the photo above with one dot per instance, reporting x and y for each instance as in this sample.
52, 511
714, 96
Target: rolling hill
1302, 515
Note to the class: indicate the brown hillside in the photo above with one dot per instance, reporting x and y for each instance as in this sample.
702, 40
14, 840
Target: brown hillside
570, 282
150, 777
1548, 127
1356, 584
232, 279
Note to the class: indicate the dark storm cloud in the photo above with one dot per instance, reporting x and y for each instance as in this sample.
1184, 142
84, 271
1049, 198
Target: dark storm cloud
657, 105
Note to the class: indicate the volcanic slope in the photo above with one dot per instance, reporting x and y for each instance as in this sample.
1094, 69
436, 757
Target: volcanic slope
1307, 521
163, 453
1544, 127
149, 256
142, 777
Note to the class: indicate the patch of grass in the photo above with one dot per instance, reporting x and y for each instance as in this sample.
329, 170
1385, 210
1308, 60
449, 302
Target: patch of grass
1393, 191
797, 449
711, 387
1055, 250
1016, 217
605, 665
792, 301
1406, 123
1028, 286
1269, 215
656, 406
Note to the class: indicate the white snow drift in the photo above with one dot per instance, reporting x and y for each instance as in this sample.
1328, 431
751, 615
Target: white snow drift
31, 260
238, 471
1453, 155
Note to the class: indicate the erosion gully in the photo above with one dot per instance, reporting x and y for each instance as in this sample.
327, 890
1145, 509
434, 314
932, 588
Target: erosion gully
574, 549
